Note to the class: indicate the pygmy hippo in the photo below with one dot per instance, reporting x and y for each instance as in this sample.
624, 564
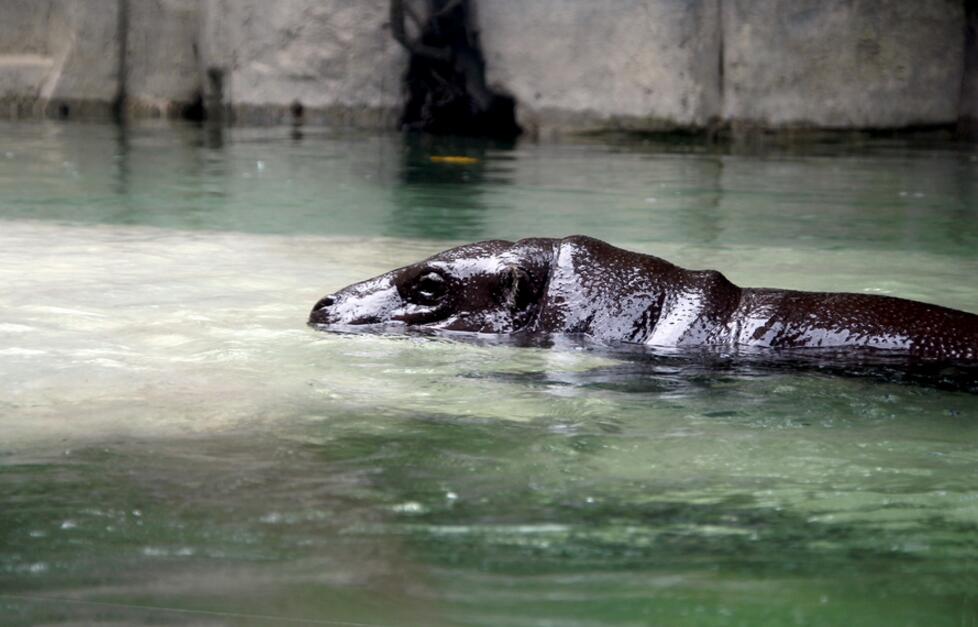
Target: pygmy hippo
580, 285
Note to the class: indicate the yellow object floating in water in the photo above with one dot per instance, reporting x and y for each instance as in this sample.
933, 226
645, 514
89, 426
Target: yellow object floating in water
455, 160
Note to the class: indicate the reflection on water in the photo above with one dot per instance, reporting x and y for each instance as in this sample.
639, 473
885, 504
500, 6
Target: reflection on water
179, 448
885, 195
445, 199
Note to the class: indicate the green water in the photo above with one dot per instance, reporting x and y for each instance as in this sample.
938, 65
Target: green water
178, 448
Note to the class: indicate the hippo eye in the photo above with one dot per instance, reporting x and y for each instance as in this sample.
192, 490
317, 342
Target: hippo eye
429, 288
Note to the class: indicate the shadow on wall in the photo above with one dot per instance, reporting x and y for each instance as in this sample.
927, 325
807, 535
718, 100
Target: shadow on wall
446, 75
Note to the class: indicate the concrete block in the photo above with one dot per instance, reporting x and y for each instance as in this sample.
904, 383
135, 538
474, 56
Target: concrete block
162, 66
842, 63
21, 75
24, 27
84, 37
25, 55
330, 55
631, 64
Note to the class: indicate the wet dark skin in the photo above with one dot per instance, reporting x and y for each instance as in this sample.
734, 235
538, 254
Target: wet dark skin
581, 285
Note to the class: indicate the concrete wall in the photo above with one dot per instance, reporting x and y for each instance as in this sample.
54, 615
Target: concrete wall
335, 57
58, 54
84, 41
748, 63
572, 65
62, 57
24, 27
639, 64
162, 73
842, 63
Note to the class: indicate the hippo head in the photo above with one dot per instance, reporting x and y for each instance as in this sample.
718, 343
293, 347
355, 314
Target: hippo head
487, 287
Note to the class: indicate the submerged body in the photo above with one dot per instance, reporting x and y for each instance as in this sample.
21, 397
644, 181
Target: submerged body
585, 286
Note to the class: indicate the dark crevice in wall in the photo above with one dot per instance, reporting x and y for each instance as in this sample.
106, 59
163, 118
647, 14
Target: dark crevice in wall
215, 109
119, 103
194, 111
446, 75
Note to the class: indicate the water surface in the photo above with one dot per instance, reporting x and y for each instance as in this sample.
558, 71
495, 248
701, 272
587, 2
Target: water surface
179, 448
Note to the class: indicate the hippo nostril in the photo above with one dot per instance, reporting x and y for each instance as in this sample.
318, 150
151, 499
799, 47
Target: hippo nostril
324, 302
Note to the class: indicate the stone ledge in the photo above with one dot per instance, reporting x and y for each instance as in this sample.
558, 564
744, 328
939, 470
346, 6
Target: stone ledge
30, 108
332, 115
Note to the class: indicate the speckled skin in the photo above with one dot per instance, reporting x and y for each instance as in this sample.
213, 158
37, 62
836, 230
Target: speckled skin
582, 285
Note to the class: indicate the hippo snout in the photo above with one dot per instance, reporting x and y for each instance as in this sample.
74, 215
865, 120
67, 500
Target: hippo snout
325, 301
320, 311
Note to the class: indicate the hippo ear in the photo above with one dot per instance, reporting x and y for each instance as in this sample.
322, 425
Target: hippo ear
517, 291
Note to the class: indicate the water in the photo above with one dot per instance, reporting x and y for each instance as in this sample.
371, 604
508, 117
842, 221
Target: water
178, 448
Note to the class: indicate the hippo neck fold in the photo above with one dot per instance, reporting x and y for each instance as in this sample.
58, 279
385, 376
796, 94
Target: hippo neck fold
612, 294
